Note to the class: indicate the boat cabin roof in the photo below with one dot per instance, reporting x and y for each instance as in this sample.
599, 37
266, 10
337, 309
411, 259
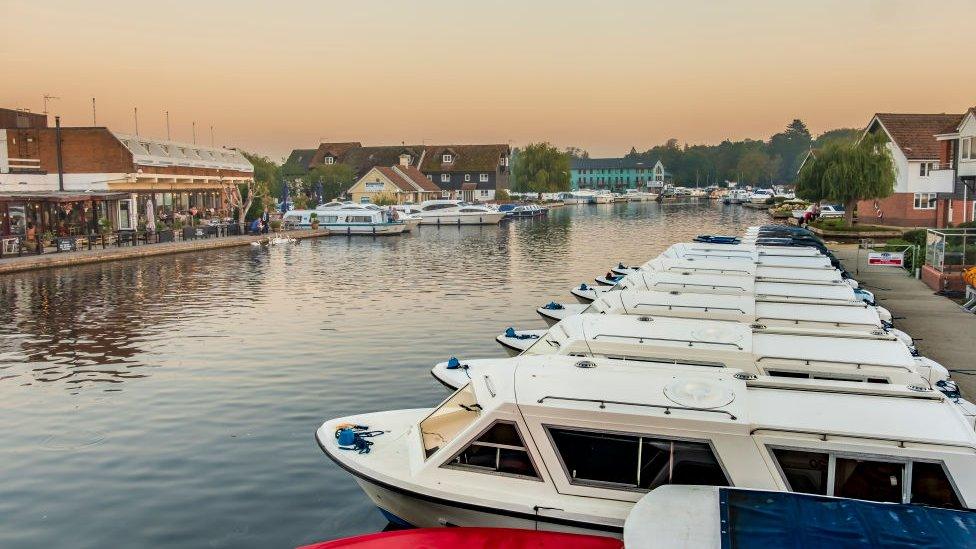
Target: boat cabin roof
702, 248
742, 308
739, 262
792, 269
635, 394
737, 284
822, 353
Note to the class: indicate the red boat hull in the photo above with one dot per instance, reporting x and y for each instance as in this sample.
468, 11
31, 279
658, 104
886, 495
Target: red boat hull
470, 538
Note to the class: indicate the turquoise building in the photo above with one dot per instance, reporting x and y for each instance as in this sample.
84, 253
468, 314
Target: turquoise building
616, 174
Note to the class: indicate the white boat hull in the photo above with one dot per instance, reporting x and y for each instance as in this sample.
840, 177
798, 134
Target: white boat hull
487, 218
365, 229
424, 512
552, 316
515, 346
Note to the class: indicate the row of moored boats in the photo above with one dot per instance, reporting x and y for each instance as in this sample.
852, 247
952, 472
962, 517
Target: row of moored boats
729, 363
352, 218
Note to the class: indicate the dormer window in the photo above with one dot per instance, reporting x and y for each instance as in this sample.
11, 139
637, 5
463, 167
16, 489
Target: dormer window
447, 158
329, 160
483, 178
467, 177
445, 178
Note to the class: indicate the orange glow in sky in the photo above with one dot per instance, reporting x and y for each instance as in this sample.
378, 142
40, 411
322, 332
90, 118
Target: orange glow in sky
273, 76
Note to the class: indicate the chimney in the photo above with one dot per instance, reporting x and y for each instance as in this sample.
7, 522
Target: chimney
405, 160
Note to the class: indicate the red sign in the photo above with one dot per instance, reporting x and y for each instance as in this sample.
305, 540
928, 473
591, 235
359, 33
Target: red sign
893, 259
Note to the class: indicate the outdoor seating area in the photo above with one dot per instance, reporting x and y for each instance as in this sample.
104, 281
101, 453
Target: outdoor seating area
64, 222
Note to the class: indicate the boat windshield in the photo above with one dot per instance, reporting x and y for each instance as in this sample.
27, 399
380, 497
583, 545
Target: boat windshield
456, 414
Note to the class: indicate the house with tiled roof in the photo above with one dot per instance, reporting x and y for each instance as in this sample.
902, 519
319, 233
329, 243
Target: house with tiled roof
401, 182
925, 179
467, 172
616, 174
958, 151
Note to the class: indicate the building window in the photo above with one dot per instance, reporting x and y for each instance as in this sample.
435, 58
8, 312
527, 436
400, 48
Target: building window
634, 462
445, 178
447, 158
484, 192
483, 178
924, 168
445, 194
967, 148
925, 201
467, 177
329, 160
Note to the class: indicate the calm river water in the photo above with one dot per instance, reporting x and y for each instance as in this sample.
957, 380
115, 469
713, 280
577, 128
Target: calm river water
171, 402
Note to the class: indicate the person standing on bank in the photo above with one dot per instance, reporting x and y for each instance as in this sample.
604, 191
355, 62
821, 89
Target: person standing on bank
265, 221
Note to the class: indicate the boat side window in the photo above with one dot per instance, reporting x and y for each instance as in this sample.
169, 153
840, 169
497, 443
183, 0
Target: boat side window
931, 486
635, 462
870, 478
805, 472
330, 219
456, 414
500, 449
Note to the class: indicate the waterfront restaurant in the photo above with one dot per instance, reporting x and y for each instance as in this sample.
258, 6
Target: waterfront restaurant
130, 180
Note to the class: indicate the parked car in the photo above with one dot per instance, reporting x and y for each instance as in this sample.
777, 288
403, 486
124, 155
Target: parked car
831, 210
826, 211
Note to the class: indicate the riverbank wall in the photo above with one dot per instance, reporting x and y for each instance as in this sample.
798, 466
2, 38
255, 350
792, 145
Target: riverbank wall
66, 259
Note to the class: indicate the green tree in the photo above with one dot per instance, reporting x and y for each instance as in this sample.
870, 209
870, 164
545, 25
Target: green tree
790, 145
541, 168
266, 172
335, 179
848, 135
577, 152
753, 167
848, 173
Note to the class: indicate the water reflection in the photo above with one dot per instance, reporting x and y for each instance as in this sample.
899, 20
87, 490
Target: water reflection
171, 401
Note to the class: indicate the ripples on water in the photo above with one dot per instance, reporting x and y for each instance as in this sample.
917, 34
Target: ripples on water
171, 402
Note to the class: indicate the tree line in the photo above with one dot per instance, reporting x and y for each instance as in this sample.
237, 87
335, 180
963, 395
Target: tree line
749, 161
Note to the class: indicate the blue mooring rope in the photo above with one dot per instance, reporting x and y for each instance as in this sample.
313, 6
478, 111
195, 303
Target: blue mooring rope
354, 438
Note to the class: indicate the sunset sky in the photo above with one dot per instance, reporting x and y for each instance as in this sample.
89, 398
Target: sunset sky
273, 76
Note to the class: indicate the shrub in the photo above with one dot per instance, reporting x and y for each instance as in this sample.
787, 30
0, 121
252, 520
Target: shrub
384, 200
967, 225
916, 237
502, 195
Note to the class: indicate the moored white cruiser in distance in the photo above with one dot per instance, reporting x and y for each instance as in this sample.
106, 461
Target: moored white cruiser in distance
456, 212
570, 444
348, 219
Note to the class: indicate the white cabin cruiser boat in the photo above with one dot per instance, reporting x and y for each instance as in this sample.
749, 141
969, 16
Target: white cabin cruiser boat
350, 219
770, 311
491, 455
710, 283
456, 212
762, 270
817, 353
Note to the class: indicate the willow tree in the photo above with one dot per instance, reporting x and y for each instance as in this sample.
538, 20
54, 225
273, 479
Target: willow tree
541, 168
849, 173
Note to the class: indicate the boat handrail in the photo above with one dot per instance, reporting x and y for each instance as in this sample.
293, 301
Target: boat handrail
780, 280
809, 361
824, 434
666, 407
745, 272
876, 335
704, 308
781, 298
689, 285
836, 323
690, 342
882, 390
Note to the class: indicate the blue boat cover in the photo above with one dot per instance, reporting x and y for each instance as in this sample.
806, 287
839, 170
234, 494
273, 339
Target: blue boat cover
783, 519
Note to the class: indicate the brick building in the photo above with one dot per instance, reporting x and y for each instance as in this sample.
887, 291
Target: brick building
115, 175
925, 186
466, 172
